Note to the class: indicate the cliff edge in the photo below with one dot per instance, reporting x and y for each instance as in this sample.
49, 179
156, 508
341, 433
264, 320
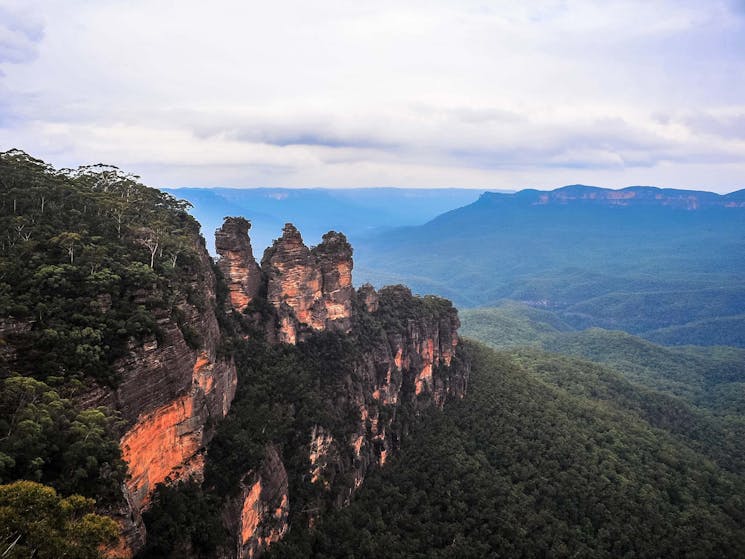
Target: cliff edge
387, 356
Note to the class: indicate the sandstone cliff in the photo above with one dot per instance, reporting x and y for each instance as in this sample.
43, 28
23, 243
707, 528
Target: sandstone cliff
258, 516
405, 358
171, 389
310, 290
237, 263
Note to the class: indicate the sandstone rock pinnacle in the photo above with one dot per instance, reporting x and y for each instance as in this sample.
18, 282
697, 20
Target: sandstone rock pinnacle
237, 262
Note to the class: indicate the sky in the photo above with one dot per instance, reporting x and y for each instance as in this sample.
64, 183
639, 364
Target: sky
488, 95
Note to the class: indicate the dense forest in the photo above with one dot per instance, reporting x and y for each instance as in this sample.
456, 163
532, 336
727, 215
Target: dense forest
710, 377
89, 258
535, 463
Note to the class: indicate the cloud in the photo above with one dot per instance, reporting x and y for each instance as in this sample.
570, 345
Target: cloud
502, 94
722, 125
20, 34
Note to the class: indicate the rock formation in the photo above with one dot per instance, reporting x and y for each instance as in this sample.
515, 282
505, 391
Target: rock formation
334, 256
168, 394
259, 515
237, 262
409, 362
310, 290
410, 368
172, 391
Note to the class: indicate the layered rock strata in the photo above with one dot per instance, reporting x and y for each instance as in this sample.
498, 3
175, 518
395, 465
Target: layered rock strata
409, 362
168, 395
237, 263
259, 516
309, 290
413, 367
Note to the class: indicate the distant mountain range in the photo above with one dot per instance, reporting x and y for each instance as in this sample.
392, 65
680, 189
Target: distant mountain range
662, 263
632, 196
354, 211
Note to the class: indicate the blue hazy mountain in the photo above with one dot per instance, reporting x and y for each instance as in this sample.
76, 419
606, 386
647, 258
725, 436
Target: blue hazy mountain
662, 263
356, 211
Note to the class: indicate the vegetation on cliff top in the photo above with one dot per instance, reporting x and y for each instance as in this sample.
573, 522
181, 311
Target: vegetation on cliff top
36, 522
90, 259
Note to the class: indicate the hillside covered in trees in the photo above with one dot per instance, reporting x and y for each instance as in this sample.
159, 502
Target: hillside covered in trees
709, 377
90, 259
542, 461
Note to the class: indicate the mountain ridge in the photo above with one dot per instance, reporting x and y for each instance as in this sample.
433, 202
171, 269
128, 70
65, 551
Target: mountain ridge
691, 199
598, 261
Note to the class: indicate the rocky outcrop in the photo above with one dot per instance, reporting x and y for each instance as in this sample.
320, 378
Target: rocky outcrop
320, 455
169, 393
334, 257
310, 290
237, 262
411, 364
259, 516
407, 360
369, 298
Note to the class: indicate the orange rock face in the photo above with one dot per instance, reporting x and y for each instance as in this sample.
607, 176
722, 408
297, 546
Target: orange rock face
423, 379
264, 507
165, 442
161, 443
311, 290
237, 262
250, 514
168, 394
295, 282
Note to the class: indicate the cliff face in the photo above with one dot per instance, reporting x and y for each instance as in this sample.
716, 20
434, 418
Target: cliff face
237, 262
259, 515
169, 392
310, 290
406, 359
406, 367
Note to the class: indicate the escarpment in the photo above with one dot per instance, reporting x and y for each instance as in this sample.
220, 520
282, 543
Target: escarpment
270, 391
173, 389
387, 355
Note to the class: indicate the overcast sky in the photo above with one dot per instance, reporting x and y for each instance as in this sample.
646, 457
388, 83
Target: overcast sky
355, 93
